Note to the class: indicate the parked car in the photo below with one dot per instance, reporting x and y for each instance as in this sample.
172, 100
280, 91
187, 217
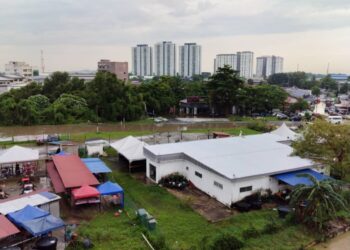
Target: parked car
282, 116
295, 118
49, 138
335, 119
160, 119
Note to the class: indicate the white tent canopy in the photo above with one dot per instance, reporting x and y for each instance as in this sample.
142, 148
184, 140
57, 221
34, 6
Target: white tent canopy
131, 148
18, 154
285, 132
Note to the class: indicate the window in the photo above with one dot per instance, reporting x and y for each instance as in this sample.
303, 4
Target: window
219, 185
245, 189
198, 174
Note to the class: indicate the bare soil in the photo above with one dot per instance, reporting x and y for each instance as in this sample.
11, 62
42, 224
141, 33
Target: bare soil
208, 207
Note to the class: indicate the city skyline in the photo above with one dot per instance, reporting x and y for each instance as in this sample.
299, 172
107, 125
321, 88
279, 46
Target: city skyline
74, 35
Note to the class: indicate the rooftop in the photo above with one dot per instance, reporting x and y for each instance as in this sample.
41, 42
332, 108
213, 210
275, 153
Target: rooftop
234, 157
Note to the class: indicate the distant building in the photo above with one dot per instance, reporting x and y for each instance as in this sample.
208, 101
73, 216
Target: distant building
165, 59
245, 64
268, 65
340, 78
120, 69
19, 68
190, 56
142, 60
225, 59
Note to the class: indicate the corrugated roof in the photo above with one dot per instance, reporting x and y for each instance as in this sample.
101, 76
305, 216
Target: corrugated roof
96, 165
73, 171
7, 228
236, 157
9, 206
55, 178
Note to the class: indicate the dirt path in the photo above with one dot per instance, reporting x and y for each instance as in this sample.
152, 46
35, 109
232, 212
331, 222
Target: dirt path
341, 242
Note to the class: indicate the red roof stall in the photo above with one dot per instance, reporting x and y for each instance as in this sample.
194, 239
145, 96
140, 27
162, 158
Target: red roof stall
72, 171
7, 228
85, 195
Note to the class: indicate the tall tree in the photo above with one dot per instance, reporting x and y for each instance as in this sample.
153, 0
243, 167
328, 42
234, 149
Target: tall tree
223, 89
328, 144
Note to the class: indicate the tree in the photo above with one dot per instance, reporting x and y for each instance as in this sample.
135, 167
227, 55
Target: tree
297, 79
54, 85
316, 91
300, 105
223, 88
344, 88
317, 203
328, 144
329, 84
226, 241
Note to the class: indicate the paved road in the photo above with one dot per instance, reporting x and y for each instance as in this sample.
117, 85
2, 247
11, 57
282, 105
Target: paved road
341, 242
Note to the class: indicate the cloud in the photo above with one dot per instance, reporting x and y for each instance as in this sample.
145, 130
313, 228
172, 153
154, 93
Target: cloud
121, 21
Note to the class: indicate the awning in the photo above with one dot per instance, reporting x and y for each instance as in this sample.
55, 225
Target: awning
85, 192
109, 188
26, 214
7, 228
292, 178
18, 154
96, 165
43, 225
130, 147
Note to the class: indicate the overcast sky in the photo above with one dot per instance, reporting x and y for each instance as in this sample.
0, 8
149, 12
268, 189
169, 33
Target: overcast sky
75, 34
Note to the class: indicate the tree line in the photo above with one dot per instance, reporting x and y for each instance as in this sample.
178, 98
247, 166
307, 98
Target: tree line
62, 99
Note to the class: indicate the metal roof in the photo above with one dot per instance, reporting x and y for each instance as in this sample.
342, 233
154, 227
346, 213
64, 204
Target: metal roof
7, 228
96, 165
21, 202
234, 157
73, 172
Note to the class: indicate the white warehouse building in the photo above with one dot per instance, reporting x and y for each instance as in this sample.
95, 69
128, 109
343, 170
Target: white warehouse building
227, 169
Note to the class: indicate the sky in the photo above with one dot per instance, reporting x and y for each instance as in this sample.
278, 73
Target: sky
75, 34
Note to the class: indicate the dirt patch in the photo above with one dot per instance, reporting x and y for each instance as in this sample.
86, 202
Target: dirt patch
208, 207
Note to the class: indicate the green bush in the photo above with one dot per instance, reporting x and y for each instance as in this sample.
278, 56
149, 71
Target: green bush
157, 240
260, 126
226, 241
271, 227
346, 196
250, 232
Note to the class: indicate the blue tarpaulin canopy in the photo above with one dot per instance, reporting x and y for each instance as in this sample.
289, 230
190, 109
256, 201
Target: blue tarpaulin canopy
96, 165
43, 225
26, 214
110, 188
293, 179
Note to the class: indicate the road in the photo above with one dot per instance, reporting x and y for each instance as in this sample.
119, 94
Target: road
341, 242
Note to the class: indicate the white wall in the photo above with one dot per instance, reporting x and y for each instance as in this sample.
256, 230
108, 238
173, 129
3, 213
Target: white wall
230, 192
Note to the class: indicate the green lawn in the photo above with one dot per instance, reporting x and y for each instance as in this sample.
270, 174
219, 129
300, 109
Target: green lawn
179, 224
231, 131
236, 118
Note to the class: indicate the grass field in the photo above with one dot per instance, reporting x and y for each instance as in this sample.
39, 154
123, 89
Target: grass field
181, 227
235, 118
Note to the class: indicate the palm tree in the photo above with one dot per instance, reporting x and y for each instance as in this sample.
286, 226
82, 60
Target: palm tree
317, 203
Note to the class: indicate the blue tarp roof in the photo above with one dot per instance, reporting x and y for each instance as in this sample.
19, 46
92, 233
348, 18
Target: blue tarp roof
49, 195
293, 179
109, 188
96, 165
43, 225
27, 213
62, 153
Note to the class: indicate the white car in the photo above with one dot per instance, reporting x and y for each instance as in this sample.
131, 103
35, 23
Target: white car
335, 119
160, 119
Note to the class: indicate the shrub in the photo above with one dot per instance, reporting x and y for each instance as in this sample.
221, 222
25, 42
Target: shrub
157, 240
346, 196
226, 242
271, 227
260, 126
250, 232
174, 180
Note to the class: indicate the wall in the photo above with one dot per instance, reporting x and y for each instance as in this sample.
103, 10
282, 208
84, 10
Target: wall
230, 191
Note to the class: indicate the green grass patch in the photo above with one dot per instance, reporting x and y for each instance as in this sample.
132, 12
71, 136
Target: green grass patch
231, 131
182, 227
80, 137
236, 118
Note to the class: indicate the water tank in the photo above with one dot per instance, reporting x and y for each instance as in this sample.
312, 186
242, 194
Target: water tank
46, 243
